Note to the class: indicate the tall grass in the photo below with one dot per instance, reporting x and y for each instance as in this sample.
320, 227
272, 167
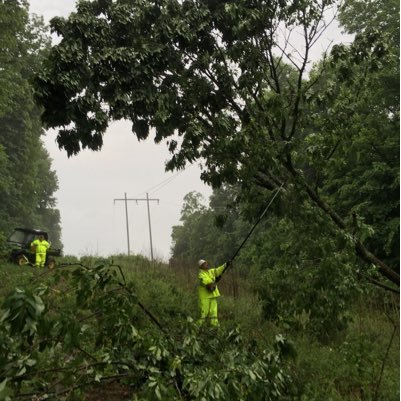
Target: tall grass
360, 365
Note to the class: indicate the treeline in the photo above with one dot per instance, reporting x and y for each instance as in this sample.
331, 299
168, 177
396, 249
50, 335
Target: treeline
27, 181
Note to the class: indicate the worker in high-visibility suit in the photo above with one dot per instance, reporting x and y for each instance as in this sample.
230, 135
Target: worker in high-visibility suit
208, 291
40, 247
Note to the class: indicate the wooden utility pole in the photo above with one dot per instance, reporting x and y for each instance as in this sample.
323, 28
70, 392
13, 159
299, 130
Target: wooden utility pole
126, 217
147, 199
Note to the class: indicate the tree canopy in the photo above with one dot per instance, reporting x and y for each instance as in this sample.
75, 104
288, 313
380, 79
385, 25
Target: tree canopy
27, 181
229, 83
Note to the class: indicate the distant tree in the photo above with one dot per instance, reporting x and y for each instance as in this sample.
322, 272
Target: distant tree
211, 232
224, 81
27, 181
189, 239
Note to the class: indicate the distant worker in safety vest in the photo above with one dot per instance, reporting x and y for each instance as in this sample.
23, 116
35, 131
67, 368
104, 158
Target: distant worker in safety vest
40, 247
208, 291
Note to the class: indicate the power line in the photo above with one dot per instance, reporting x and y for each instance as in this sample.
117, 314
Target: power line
165, 182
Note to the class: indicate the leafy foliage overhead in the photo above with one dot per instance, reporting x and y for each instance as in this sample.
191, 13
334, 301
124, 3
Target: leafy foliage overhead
226, 83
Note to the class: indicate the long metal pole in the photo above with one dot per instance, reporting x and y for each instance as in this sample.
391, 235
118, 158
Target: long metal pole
126, 220
150, 228
257, 222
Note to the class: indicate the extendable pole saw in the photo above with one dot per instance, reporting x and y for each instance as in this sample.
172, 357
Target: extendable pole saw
229, 263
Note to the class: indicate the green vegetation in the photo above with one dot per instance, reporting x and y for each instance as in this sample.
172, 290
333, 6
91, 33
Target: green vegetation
228, 85
27, 182
310, 310
129, 324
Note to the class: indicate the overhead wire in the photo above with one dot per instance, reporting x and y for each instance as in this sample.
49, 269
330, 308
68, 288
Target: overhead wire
165, 182
158, 187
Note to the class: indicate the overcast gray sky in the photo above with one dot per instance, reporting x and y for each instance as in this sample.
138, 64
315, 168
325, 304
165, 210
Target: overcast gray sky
91, 223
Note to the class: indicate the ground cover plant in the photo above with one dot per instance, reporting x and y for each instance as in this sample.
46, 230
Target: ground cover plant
86, 325
127, 326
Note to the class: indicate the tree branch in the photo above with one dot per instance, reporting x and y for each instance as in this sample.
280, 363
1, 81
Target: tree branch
360, 249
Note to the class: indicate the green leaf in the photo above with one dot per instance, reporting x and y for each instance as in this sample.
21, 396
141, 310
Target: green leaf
3, 385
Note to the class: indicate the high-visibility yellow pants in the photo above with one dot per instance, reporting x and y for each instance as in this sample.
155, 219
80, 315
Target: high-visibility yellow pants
40, 259
208, 311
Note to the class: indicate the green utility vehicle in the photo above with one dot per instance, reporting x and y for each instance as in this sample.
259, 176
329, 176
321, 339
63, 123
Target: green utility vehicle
20, 241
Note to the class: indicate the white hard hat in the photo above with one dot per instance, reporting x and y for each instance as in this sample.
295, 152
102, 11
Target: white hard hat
201, 262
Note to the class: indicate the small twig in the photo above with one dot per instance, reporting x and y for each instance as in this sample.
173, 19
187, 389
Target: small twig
383, 363
94, 314
379, 284
66, 390
86, 353
121, 272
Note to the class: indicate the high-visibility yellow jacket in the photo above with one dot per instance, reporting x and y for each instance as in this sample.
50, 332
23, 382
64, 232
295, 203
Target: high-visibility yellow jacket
40, 246
207, 277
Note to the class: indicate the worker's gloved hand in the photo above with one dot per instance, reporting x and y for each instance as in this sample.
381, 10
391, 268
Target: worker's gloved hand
211, 287
229, 263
